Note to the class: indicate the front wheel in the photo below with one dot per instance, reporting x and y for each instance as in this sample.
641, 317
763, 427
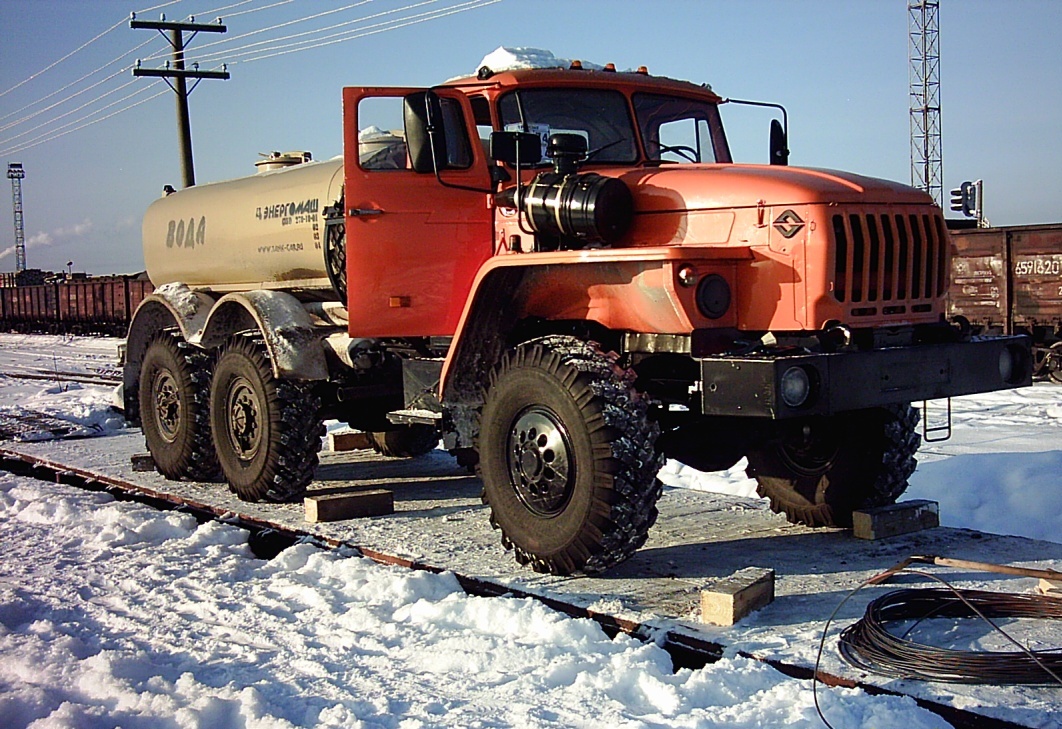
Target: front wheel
267, 432
819, 470
567, 456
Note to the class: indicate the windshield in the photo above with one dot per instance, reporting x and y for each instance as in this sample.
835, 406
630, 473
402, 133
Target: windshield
600, 116
677, 129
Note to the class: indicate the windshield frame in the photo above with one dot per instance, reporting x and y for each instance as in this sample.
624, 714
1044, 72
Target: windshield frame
513, 114
509, 110
648, 120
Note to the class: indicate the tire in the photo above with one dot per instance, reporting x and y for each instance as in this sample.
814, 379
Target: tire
406, 442
267, 432
567, 457
818, 471
1053, 362
173, 399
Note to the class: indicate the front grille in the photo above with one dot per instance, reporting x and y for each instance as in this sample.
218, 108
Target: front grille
889, 258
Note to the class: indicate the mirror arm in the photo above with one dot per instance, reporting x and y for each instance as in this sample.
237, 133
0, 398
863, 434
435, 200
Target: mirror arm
745, 102
520, 212
430, 127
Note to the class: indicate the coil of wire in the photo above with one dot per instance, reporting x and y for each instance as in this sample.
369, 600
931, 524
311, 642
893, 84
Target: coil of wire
868, 643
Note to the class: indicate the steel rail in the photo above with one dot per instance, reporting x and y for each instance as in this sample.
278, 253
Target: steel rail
269, 538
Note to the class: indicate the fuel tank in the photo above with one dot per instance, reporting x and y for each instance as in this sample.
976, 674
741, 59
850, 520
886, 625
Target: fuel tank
262, 231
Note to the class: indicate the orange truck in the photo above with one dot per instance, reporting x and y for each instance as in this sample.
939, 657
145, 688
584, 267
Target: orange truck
563, 275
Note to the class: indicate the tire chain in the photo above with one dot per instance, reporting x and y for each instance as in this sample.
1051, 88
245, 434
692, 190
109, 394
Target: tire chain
625, 411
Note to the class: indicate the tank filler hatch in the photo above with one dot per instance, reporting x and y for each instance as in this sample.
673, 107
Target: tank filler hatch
280, 160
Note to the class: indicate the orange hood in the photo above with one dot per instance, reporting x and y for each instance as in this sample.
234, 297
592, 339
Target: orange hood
730, 186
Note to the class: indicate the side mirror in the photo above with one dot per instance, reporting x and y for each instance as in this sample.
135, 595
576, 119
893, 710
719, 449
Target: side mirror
425, 131
509, 147
779, 144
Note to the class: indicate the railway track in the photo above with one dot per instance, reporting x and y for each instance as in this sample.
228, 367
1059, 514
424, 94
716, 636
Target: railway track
270, 534
60, 378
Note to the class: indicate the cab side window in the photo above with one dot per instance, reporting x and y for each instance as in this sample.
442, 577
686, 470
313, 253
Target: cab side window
458, 149
381, 138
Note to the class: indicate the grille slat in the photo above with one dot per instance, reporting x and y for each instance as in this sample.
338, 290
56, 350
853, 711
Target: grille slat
888, 258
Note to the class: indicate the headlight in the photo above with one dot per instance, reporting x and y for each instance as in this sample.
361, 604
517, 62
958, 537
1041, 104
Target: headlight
795, 387
1014, 364
1006, 364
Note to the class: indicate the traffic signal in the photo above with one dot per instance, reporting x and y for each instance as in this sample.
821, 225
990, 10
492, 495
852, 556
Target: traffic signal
964, 198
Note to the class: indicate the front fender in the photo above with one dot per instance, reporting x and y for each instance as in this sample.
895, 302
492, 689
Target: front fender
628, 289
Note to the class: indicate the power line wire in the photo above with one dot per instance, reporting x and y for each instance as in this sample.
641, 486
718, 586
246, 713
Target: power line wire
221, 9
60, 102
50, 137
72, 111
89, 115
251, 10
269, 28
231, 53
159, 6
56, 63
84, 45
352, 34
73, 83
452, 10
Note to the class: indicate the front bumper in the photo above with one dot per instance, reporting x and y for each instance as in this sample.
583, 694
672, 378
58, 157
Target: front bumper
752, 386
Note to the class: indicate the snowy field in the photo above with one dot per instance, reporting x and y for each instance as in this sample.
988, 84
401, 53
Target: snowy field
113, 614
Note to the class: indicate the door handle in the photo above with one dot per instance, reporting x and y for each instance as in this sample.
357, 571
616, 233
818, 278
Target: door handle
363, 212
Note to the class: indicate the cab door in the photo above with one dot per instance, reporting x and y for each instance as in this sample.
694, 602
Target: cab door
414, 240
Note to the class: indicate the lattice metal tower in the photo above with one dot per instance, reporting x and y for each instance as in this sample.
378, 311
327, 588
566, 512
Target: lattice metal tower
924, 53
15, 173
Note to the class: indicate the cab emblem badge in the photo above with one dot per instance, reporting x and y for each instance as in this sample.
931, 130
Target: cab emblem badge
788, 224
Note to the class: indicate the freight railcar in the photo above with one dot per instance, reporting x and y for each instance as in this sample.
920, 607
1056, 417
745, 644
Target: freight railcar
96, 305
1009, 280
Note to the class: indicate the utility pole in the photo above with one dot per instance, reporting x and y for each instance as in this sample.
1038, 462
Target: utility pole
15, 173
924, 54
180, 77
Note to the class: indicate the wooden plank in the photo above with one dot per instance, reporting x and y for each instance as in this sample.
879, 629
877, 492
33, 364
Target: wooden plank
1051, 588
142, 462
732, 598
350, 505
895, 519
348, 440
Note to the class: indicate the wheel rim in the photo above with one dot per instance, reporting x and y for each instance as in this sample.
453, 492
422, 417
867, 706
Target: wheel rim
1053, 362
540, 465
245, 426
167, 405
809, 451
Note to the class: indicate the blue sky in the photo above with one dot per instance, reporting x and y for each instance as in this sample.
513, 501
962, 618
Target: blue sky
840, 67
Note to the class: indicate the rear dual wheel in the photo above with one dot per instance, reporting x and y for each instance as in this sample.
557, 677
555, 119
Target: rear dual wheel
173, 399
267, 432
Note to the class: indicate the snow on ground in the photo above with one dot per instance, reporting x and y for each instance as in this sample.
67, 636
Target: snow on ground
112, 613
